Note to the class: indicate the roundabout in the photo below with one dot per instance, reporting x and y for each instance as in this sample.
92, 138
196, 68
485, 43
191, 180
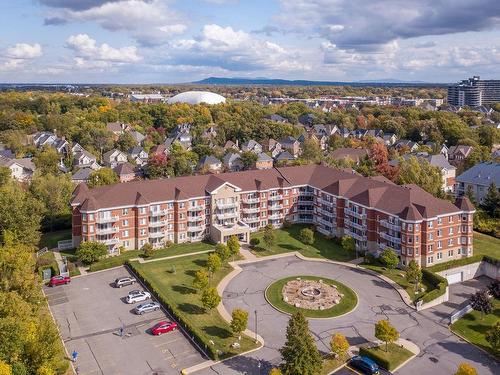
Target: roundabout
315, 297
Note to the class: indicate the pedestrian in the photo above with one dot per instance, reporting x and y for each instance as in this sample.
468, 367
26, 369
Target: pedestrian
74, 356
121, 331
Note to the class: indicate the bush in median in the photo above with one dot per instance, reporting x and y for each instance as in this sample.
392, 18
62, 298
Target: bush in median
439, 284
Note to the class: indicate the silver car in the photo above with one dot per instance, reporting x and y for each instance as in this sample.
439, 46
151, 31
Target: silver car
138, 296
147, 307
123, 281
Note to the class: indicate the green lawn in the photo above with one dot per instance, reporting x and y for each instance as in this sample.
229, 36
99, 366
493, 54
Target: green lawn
176, 288
471, 327
395, 275
347, 303
486, 245
50, 239
390, 359
175, 249
287, 240
330, 363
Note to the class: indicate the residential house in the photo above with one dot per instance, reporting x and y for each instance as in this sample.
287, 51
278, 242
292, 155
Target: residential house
264, 161
292, 145
118, 128
349, 154
275, 118
230, 145
252, 146
114, 157
210, 133
84, 158
159, 150
284, 158
478, 179
82, 175
44, 138
389, 139
138, 137
272, 146
20, 169
406, 145
457, 154
210, 163
232, 162
307, 119
125, 172
448, 171
138, 155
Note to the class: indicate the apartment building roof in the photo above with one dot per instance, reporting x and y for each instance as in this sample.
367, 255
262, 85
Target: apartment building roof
409, 202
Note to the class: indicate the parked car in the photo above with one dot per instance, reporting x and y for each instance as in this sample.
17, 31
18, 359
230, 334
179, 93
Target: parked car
364, 364
124, 281
138, 296
163, 327
146, 307
59, 280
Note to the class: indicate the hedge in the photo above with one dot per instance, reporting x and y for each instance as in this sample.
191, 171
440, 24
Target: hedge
439, 284
464, 262
193, 332
382, 361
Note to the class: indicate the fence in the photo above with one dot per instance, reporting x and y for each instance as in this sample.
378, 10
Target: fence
65, 245
458, 314
41, 252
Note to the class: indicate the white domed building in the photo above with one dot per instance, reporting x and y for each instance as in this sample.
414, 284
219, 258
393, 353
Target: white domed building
197, 97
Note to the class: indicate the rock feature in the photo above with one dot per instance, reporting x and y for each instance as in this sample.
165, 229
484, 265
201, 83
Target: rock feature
311, 294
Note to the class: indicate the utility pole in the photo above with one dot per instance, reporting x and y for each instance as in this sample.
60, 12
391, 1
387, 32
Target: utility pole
256, 327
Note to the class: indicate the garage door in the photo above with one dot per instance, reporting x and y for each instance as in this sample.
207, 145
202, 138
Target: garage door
454, 278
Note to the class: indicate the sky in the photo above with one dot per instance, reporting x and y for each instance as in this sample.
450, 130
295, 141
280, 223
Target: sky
170, 41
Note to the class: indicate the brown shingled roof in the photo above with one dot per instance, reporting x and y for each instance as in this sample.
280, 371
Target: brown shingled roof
464, 204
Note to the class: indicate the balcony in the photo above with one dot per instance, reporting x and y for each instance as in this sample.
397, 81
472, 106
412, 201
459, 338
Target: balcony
156, 224
306, 193
195, 208
328, 203
159, 234
251, 210
275, 216
277, 197
308, 210
388, 225
251, 200
389, 237
253, 219
306, 201
321, 220
193, 219
110, 241
350, 212
227, 205
109, 230
355, 225
327, 212
157, 213
107, 219
275, 207
194, 228
228, 215
359, 237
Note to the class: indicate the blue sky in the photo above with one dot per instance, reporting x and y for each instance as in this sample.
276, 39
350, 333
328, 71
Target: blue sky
168, 41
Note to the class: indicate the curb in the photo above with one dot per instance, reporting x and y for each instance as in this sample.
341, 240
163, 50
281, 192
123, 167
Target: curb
471, 343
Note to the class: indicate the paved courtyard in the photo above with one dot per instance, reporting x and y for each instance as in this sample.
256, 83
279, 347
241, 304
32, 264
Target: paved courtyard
90, 312
441, 351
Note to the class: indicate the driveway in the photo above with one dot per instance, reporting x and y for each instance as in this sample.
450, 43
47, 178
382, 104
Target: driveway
441, 351
90, 312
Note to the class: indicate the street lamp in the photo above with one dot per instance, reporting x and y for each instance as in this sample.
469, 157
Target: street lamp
256, 327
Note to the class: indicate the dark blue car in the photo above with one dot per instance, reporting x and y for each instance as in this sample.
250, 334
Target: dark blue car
365, 364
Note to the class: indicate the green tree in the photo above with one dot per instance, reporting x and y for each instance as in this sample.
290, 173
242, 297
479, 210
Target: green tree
148, 250
493, 337
223, 251
421, 173
480, 301
90, 252
102, 177
239, 321
234, 245
47, 160
254, 242
248, 159
389, 258
201, 279
214, 263
274, 371
348, 244
385, 332
269, 236
306, 236
126, 142
491, 201
465, 369
339, 345
414, 273
311, 151
5, 176
300, 354
210, 298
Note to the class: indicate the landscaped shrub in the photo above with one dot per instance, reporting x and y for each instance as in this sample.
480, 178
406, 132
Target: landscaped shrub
456, 263
438, 283
254, 242
382, 361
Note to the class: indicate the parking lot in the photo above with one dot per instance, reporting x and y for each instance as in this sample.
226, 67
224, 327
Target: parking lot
347, 370
90, 312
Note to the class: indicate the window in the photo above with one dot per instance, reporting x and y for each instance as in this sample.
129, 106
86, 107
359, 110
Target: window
439, 256
439, 232
416, 239
417, 226
440, 220
431, 236
430, 224
142, 243
410, 239
170, 226
182, 236
450, 230
170, 216
464, 228
142, 210
84, 228
410, 227
450, 242
91, 229
403, 226
181, 216
170, 205
125, 211
170, 237
181, 205
416, 252
182, 226
463, 240
464, 217
430, 260
403, 250
286, 192
450, 253
125, 223
84, 217
410, 251
91, 217
439, 245
142, 221
143, 232
126, 243
430, 248
450, 219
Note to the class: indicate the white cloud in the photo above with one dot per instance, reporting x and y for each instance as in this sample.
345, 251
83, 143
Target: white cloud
24, 51
87, 49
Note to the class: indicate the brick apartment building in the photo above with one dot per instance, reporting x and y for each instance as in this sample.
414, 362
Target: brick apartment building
374, 211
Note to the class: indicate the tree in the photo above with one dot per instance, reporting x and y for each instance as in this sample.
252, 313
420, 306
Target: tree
385, 332
348, 244
222, 251
274, 371
248, 159
339, 345
494, 288
269, 237
480, 301
389, 258
214, 263
90, 252
147, 249
47, 160
234, 245
493, 336
201, 278
311, 151
491, 202
421, 173
102, 177
465, 369
158, 167
239, 321
5, 176
210, 298
126, 142
414, 273
5, 369
306, 236
300, 354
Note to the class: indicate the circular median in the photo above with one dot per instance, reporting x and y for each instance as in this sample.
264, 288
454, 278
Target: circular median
315, 297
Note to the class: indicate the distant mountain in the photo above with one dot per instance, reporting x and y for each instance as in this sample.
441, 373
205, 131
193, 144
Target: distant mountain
285, 82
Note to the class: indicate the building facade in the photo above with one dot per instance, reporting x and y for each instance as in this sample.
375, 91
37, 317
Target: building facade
376, 213
474, 92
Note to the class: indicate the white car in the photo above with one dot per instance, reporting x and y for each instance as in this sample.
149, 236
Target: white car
138, 296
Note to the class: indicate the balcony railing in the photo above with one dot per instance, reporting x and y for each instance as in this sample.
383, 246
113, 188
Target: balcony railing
109, 230
227, 205
327, 212
157, 234
110, 241
326, 222
359, 215
306, 193
193, 219
251, 219
156, 224
388, 237
195, 208
275, 216
387, 224
251, 210
251, 200
355, 225
357, 236
106, 219
308, 210
275, 207
275, 197
328, 203
228, 215
194, 228
157, 213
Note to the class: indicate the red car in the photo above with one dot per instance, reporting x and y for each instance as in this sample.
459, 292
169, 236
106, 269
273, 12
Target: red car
59, 280
163, 327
